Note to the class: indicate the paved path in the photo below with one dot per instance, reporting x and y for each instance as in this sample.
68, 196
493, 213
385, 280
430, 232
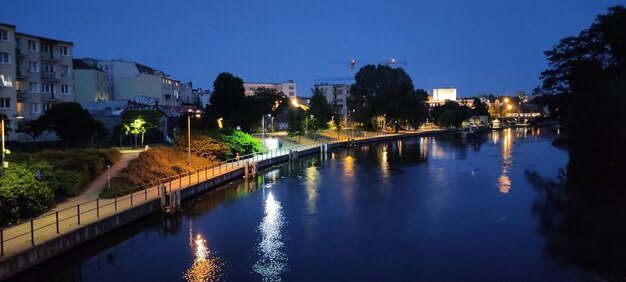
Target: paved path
92, 190
87, 208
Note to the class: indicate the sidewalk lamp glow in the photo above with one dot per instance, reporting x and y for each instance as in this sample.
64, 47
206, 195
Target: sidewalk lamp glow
219, 123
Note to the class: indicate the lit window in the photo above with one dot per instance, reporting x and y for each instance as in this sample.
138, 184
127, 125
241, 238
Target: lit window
5, 103
6, 80
4, 35
4, 58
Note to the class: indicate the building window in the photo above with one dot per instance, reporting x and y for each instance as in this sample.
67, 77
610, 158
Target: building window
65, 89
6, 80
4, 35
291, 93
4, 58
32, 45
33, 87
47, 88
33, 67
46, 107
34, 108
48, 67
291, 87
20, 107
45, 48
64, 50
65, 70
5, 103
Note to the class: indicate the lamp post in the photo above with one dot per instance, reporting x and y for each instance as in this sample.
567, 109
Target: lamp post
108, 176
197, 114
2, 117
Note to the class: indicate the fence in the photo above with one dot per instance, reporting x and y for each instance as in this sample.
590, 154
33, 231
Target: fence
42, 228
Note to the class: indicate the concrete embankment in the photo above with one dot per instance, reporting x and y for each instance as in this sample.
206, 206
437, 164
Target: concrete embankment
12, 264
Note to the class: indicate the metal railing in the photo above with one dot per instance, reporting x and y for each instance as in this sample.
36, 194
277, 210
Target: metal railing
42, 228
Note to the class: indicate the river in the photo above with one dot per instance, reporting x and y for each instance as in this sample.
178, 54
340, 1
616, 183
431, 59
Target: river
422, 209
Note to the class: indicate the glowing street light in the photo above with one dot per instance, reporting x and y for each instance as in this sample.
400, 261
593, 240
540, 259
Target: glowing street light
189, 114
219, 123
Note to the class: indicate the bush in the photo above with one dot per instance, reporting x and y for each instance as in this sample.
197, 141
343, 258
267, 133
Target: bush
151, 166
22, 195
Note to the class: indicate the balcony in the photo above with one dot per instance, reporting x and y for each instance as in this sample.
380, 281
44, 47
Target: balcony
20, 74
51, 97
19, 52
22, 95
50, 76
48, 57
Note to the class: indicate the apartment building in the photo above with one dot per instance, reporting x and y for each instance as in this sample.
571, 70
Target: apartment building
336, 95
35, 74
131, 81
287, 87
91, 84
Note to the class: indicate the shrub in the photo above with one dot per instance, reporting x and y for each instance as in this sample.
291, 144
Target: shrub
151, 166
22, 195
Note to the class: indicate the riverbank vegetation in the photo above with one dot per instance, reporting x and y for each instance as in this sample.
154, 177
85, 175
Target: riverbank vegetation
207, 148
32, 180
585, 218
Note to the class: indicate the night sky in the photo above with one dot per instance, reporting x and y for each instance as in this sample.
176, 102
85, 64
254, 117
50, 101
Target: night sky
488, 46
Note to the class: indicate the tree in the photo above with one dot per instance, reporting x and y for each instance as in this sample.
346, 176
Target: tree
295, 120
141, 121
382, 90
72, 123
589, 71
33, 128
451, 114
319, 108
265, 101
480, 108
228, 98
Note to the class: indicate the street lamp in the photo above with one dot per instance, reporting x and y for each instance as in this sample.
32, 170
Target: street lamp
3, 150
189, 114
108, 176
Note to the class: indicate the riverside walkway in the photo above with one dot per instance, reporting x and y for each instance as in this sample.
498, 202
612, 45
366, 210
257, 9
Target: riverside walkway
66, 218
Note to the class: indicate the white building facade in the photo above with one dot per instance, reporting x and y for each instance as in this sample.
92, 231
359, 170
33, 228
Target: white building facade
336, 95
287, 87
91, 84
131, 81
35, 74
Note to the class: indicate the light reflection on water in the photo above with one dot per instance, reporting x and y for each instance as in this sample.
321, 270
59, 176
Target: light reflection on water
206, 266
272, 260
504, 182
384, 164
312, 182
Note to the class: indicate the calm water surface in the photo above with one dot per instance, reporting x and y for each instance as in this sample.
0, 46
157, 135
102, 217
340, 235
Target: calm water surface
428, 209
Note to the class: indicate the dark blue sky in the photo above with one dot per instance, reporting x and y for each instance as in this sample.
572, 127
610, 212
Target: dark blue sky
488, 46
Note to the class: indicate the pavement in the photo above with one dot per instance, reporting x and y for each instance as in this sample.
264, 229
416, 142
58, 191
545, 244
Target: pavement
92, 190
86, 208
